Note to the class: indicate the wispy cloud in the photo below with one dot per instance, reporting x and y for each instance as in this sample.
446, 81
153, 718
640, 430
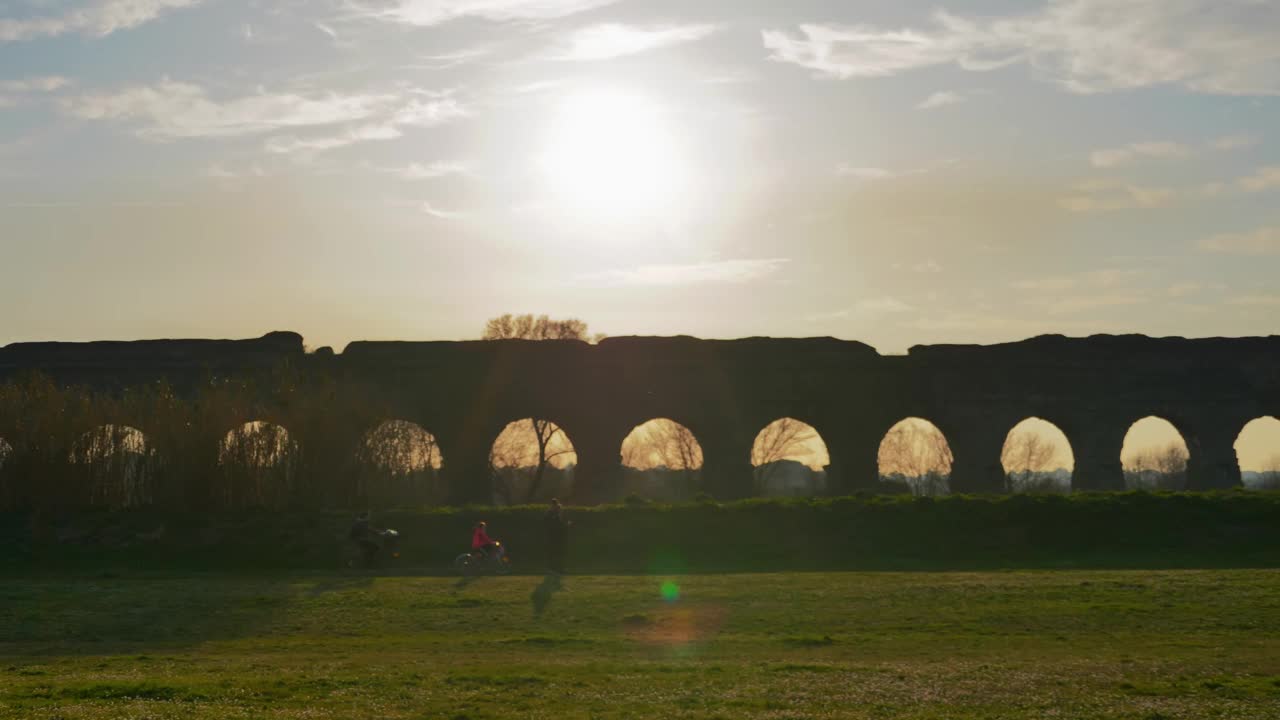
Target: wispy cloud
220, 171
15, 92
174, 110
611, 40
436, 12
940, 99
1115, 157
864, 173
457, 58
439, 213
1092, 280
45, 84
430, 171
1092, 301
1264, 179
868, 308
718, 272
90, 18
1209, 46
1108, 195
1263, 241
171, 110
365, 133
1254, 301
1234, 142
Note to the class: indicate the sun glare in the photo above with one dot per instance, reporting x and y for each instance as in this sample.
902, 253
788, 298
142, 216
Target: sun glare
610, 156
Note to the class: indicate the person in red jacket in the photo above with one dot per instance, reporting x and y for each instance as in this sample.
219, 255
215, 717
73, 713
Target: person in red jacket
481, 542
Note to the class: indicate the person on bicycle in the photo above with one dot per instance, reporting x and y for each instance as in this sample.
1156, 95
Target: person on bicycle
481, 543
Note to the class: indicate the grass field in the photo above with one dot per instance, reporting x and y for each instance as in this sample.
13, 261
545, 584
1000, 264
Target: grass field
1071, 644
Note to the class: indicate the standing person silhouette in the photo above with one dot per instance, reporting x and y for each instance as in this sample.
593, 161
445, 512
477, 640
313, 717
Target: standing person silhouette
557, 528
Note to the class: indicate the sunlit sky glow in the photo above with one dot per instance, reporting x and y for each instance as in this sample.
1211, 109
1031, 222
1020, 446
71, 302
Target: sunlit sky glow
897, 173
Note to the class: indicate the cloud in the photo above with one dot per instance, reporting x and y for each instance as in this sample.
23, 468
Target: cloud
293, 144
418, 171
94, 19
418, 113
219, 171
1092, 279
1182, 290
444, 61
439, 214
1234, 142
181, 110
1114, 157
940, 99
611, 40
864, 173
1264, 179
867, 308
1224, 47
429, 113
46, 84
882, 306
173, 110
1107, 195
860, 51
1263, 241
436, 12
1255, 301
718, 272
1085, 303
13, 92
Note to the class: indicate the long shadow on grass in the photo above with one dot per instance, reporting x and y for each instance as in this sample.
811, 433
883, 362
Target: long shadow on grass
117, 616
541, 596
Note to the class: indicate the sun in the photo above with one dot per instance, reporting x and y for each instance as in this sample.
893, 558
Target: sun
611, 156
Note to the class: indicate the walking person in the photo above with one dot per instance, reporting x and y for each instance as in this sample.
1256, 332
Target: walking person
557, 528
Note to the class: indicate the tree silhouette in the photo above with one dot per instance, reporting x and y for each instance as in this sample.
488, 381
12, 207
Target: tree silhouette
917, 451
1269, 477
527, 444
530, 327
1163, 468
780, 440
1028, 458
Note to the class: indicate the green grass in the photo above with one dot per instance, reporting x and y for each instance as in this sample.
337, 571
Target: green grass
1072, 644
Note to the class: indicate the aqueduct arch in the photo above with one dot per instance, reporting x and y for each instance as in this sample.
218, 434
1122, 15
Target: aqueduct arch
724, 391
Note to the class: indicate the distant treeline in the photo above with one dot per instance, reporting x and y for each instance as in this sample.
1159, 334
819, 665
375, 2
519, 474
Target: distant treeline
1135, 529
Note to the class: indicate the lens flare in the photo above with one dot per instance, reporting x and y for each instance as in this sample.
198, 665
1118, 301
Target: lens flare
670, 591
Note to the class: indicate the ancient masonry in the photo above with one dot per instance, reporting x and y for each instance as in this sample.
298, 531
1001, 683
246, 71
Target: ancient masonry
727, 391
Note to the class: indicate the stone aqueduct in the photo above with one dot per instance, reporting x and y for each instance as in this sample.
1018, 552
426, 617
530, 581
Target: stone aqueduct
727, 391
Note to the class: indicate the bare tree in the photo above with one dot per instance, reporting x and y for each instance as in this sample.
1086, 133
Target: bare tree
1269, 477
541, 327
527, 447
782, 439
1163, 468
663, 443
667, 447
918, 452
1027, 458
400, 464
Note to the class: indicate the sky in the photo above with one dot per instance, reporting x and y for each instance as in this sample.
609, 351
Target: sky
895, 173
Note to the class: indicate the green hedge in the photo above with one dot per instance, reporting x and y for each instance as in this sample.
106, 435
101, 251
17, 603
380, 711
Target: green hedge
1139, 529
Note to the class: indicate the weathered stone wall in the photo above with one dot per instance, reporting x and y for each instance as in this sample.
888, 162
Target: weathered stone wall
727, 391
